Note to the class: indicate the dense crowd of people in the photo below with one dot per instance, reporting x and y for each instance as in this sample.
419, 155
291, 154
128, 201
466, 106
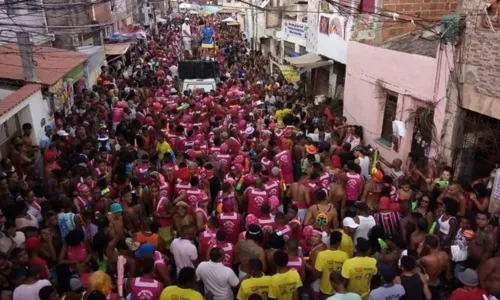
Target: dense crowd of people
249, 191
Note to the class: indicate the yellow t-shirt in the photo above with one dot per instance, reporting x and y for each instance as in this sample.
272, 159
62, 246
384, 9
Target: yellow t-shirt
175, 293
346, 244
280, 114
359, 271
326, 262
251, 286
283, 285
163, 148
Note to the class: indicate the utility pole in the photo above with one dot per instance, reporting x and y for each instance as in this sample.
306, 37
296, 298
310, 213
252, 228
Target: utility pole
23, 39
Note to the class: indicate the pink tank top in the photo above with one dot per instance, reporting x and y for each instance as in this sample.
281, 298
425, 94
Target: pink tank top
78, 253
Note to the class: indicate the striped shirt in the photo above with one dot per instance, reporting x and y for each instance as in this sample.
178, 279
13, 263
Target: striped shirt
389, 221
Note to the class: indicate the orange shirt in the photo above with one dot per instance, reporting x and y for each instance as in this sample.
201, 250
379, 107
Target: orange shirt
142, 238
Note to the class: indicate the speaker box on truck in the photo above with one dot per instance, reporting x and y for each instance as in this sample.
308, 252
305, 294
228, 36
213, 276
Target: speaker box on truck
198, 69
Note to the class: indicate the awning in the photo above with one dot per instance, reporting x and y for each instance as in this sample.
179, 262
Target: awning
308, 61
116, 49
229, 11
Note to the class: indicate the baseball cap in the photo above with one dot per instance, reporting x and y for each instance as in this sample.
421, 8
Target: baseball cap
116, 208
31, 243
145, 249
48, 127
76, 285
386, 272
62, 133
468, 277
349, 222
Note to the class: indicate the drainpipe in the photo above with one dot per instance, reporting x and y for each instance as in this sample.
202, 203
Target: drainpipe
438, 72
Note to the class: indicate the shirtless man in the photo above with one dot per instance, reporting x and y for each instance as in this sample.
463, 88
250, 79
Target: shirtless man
434, 262
182, 218
130, 212
250, 248
337, 192
316, 213
418, 236
298, 153
299, 194
484, 243
371, 192
489, 276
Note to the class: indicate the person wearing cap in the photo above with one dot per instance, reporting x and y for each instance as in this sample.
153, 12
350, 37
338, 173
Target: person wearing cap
328, 261
359, 270
32, 246
186, 287
47, 138
76, 290
186, 34
349, 227
388, 290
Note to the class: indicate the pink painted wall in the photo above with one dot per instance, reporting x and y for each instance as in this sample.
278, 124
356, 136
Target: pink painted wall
411, 77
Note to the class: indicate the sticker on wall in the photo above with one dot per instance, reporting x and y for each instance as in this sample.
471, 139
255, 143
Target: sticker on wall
326, 7
324, 23
336, 27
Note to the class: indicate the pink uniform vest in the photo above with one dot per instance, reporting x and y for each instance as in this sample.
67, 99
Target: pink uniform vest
145, 289
256, 198
230, 224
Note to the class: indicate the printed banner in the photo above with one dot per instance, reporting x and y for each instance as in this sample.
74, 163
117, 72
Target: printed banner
290, 73
294, 28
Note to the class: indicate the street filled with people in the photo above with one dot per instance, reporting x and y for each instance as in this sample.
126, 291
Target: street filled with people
247, 190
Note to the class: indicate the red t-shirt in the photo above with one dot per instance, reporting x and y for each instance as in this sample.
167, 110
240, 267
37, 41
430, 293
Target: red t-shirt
44, 270
463, 294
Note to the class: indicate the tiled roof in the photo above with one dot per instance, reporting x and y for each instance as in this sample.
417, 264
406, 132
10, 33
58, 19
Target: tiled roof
51, 63
17, 97
415, 42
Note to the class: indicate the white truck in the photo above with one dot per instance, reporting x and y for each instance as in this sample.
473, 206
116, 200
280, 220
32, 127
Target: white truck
198, 74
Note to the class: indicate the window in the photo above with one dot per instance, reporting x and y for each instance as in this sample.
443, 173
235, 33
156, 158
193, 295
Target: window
367, 6
391, 103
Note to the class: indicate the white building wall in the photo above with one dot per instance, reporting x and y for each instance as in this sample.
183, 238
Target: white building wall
31, 110
23, 13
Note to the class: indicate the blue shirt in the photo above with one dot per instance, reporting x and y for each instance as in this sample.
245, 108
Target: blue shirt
208, 34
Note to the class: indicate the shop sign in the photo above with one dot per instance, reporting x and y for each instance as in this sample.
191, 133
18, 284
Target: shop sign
290, 73
294, 28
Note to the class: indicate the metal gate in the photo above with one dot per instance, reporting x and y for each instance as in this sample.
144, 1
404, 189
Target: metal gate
478, 150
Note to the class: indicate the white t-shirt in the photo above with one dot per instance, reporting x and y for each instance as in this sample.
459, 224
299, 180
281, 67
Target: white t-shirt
184, 253
29, 291
186, 28
346, 296
6, 242
218, 279
365, 225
